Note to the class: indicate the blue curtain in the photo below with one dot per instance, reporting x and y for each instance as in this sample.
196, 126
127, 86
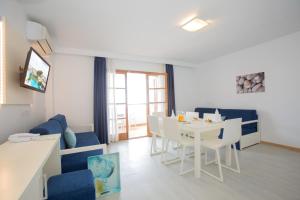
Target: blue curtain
100, 100
171, 92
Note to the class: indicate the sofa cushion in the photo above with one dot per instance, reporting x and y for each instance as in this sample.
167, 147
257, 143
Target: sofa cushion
77, 161
246, 115
86, 139
76, 185
61, 119
50, 127
249, 128
201, 111
70, 138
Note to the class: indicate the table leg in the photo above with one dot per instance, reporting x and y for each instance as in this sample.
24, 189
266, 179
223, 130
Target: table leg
228, 155
154, 143
197, 151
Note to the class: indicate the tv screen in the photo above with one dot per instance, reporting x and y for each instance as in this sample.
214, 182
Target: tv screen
36, 72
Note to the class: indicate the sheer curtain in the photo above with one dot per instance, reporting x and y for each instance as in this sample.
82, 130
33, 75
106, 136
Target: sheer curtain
111, 106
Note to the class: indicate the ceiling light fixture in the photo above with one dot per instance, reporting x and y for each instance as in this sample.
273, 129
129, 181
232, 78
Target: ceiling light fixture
194, 25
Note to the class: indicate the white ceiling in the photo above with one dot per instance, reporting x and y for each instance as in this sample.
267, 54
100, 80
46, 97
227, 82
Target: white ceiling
150, 29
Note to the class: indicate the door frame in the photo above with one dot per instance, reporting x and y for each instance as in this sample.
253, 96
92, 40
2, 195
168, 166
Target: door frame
125, 136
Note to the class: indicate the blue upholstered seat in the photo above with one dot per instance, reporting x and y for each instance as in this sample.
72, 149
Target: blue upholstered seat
249, 128
246, 115
76, 185
70, 162
78, 161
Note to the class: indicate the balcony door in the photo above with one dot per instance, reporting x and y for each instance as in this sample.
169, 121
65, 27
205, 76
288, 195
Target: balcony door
138, 94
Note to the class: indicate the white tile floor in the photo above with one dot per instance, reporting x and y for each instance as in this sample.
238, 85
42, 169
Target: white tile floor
267, 172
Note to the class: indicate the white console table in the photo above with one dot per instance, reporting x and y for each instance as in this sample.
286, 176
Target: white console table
22, 166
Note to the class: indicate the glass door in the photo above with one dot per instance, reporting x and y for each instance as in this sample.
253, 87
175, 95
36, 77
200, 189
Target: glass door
157, 94
136, 95
137, 104
118, 107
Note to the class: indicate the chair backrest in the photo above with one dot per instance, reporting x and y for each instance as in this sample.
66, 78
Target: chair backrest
160, 116
212, 117
208, 116
191, 115
232, 131
153, 123
171, 128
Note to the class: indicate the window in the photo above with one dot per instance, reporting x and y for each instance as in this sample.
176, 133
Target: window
157, 93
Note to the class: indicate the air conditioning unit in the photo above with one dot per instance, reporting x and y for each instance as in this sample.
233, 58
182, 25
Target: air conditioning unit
39, 37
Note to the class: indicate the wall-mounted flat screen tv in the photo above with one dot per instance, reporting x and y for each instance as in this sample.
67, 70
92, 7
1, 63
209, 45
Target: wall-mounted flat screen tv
36, 72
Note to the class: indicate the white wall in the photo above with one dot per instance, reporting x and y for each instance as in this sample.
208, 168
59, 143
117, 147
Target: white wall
18, 118
73, 88
185, 86
73, 85
16, 48
278, 107
136, 65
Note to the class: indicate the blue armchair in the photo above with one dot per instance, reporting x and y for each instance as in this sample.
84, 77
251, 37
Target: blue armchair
75, 158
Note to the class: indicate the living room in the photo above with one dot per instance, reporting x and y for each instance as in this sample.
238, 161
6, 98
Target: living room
116, 70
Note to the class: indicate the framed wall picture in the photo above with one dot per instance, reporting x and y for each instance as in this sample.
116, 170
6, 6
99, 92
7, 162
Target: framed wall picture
250, 83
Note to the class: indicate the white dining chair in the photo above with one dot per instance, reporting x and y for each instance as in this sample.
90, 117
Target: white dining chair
212, 116
172, 133
159, 114
210, 134
190, 116
155, 128
231, 134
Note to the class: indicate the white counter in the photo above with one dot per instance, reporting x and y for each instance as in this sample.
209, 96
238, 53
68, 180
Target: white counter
23, 164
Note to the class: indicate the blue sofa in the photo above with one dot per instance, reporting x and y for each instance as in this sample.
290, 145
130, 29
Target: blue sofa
70, 161
250, 133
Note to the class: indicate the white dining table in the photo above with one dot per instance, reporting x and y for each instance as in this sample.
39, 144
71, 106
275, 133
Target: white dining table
198, 127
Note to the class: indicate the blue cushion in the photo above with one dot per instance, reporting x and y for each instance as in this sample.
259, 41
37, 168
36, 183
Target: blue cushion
249, 128
77, 161
48, 127
246, 129
76, 185
70, 138
246, 115
86, 139
201, 111
62, 121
